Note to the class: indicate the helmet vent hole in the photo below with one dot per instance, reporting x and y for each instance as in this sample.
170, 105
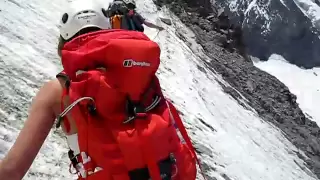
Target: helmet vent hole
64, 18
85, 12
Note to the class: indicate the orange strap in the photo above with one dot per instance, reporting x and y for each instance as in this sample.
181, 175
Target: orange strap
116, 22
184, 134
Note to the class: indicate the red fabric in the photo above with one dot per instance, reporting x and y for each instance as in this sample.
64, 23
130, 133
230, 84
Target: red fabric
110, 49
184, 134
116, 147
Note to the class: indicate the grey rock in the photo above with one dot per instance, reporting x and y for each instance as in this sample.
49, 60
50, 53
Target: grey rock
277, 28
270, 98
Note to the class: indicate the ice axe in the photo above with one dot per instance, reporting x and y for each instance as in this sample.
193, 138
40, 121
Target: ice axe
166, 20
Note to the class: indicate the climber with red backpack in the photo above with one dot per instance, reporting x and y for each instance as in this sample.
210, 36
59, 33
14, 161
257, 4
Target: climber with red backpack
109, 103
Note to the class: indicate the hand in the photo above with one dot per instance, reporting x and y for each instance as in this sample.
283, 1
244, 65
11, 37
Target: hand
160, 28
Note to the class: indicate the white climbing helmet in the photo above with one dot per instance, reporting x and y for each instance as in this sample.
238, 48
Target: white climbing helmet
130, 2
82, 14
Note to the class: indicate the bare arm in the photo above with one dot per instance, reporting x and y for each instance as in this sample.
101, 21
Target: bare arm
151, 25
146, 22
36, 128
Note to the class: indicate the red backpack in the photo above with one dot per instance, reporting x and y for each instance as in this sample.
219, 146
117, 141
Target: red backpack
127, 130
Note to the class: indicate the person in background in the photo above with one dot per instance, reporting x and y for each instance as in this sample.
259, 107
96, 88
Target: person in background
123, 15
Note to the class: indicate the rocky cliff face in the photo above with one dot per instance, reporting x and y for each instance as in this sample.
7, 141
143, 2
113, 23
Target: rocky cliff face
224, 44
276, 26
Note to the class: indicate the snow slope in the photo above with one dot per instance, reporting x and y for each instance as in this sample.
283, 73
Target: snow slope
304, 83
235, 141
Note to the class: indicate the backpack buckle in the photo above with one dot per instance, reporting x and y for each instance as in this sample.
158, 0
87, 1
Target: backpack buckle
92, 109
141, 115
134, 110
137, 112
73, 158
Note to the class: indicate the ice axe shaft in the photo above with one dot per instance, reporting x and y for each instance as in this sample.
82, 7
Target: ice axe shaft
166, 21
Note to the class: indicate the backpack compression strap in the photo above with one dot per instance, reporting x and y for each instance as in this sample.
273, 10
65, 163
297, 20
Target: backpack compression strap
184, 133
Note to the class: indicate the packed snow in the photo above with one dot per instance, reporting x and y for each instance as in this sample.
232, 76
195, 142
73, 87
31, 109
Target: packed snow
235, 142
304, 83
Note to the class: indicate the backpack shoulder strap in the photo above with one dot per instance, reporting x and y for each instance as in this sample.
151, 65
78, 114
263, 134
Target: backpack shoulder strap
65, 121
63, 99
175, 115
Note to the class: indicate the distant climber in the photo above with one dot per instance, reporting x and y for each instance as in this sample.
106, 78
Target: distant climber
123, 15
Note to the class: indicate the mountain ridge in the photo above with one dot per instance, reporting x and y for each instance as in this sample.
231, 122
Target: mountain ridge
277, 26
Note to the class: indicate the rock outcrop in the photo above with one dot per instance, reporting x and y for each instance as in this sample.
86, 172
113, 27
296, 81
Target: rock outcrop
224, 44
278, 27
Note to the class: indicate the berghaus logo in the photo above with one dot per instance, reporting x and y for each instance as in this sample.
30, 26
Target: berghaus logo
131, 63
